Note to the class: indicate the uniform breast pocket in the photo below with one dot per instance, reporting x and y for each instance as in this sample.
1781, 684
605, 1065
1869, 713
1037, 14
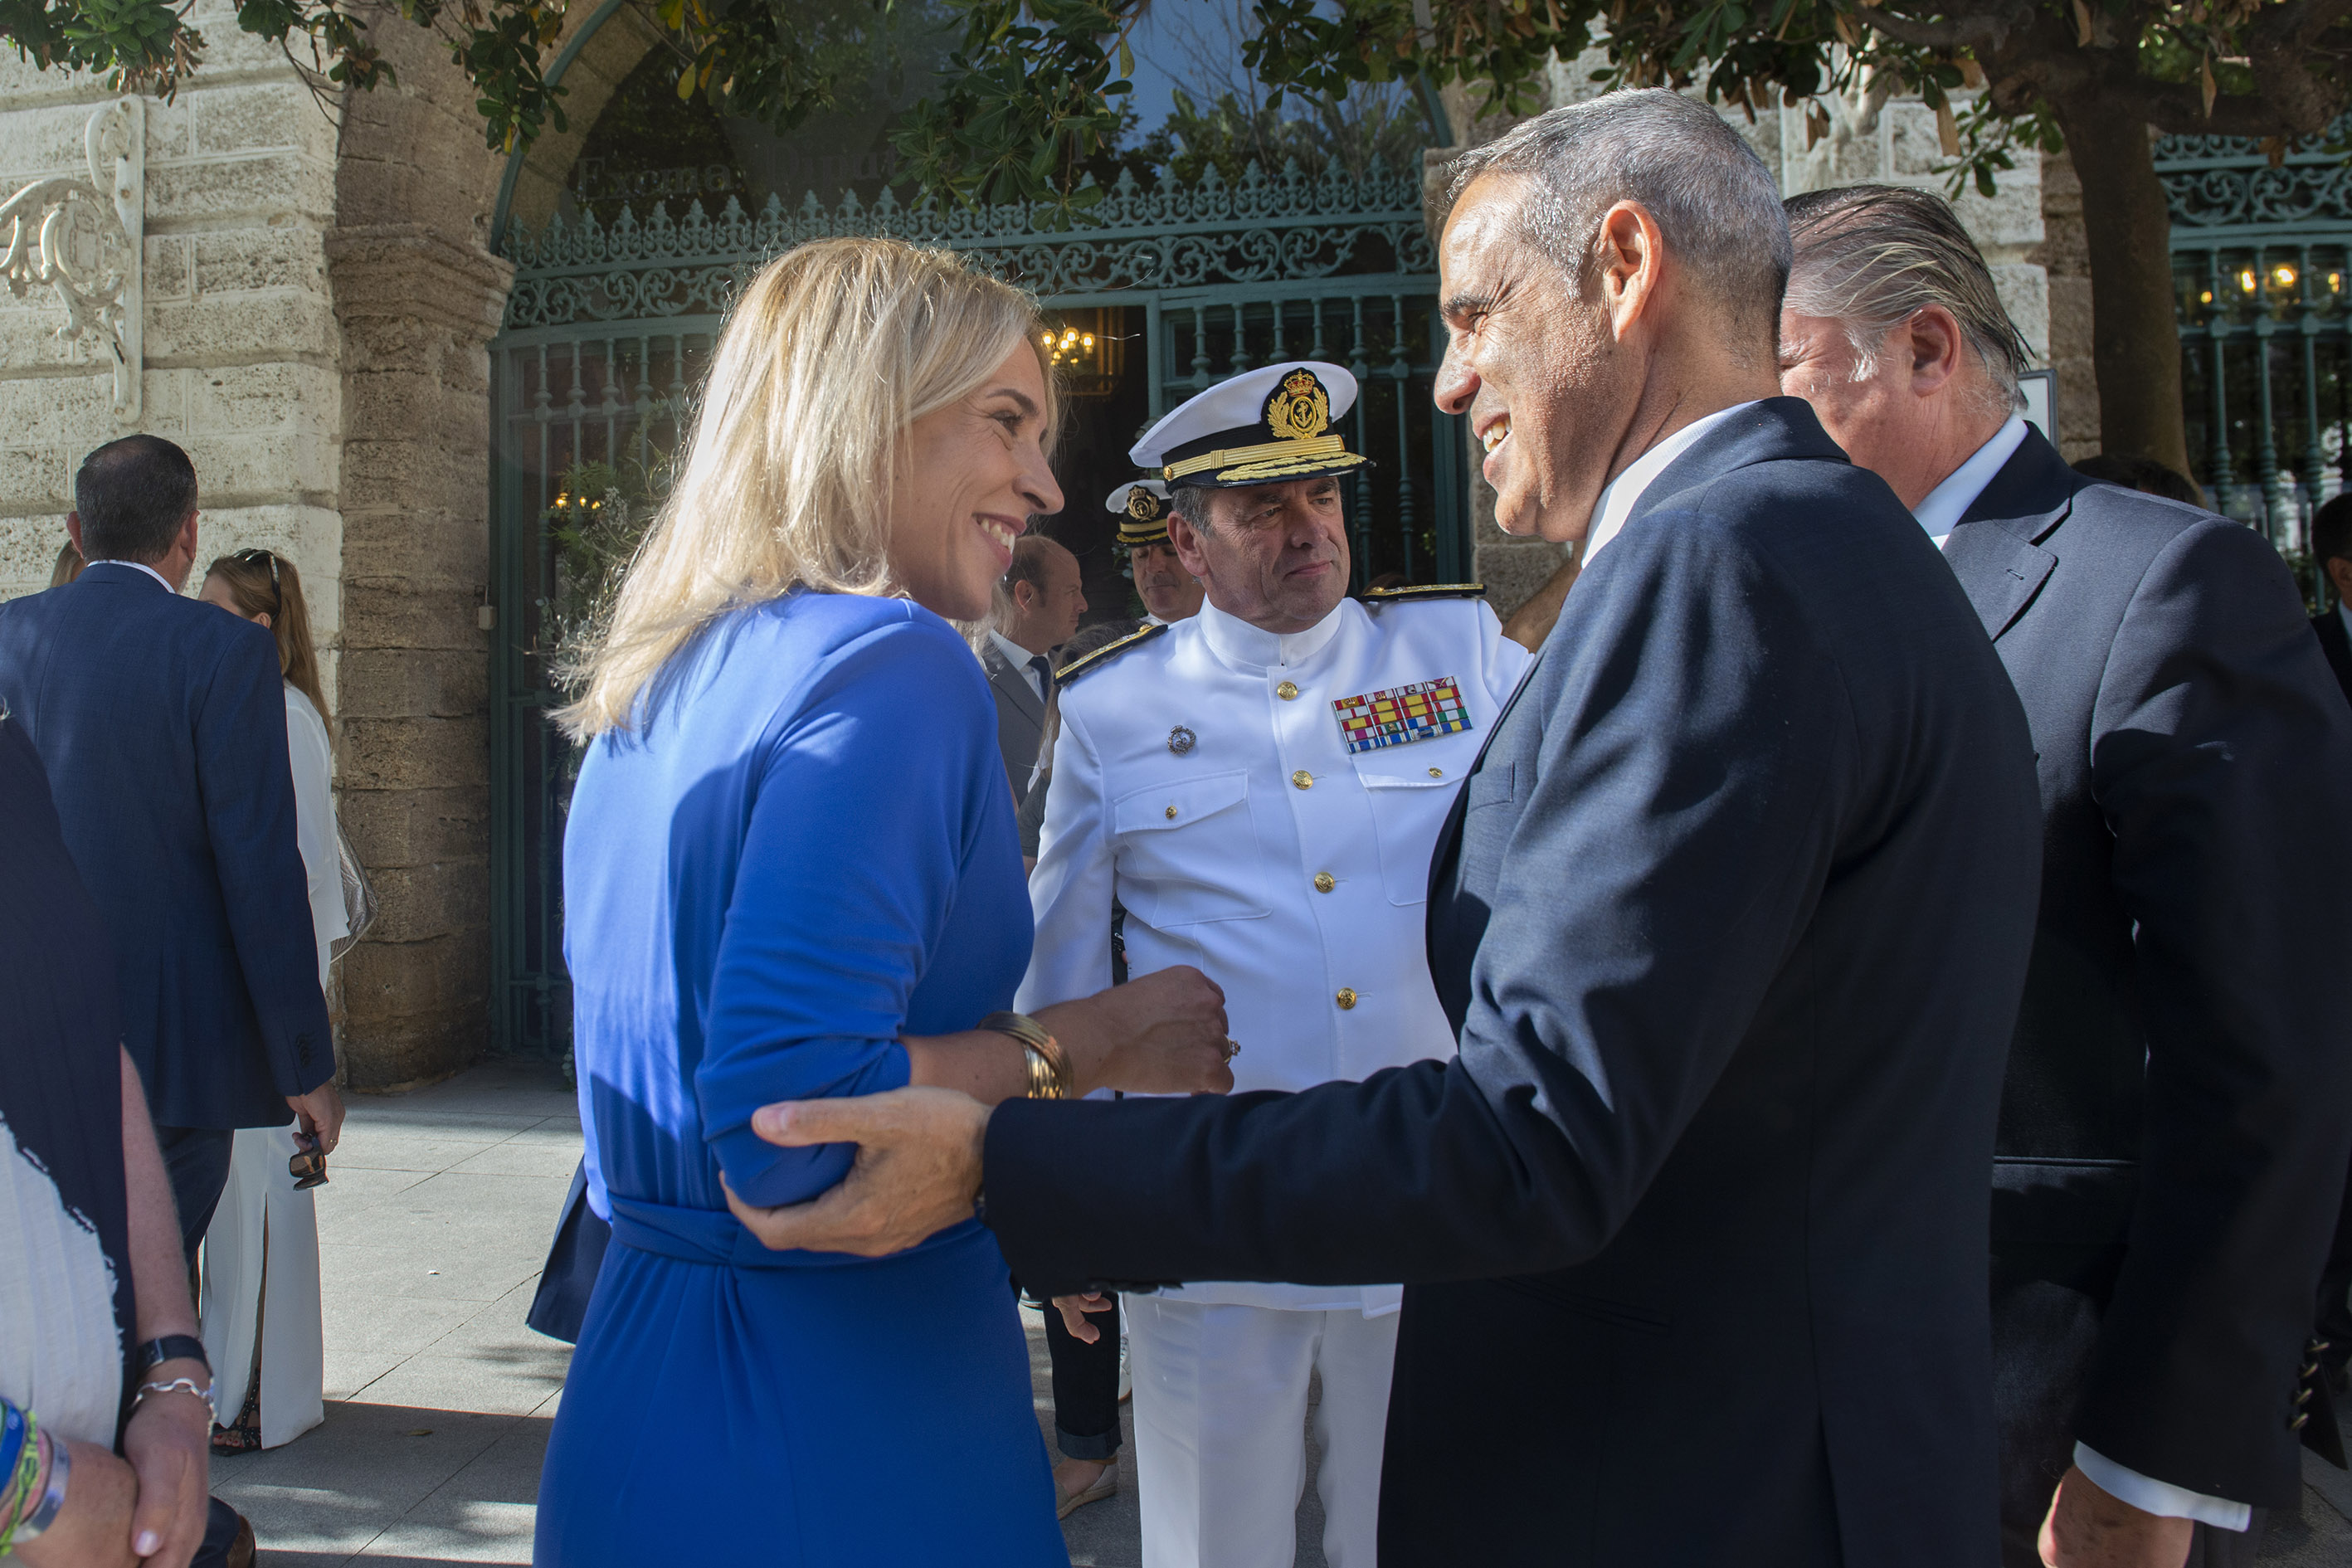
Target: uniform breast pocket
1188, 852
1408, 812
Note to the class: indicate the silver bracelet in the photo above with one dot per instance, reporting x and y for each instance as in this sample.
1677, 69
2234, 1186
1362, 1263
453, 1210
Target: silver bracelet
53, 1501
177, 1386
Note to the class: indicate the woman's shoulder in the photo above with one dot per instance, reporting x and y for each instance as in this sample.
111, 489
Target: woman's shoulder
859, 635
297, 702
302, 715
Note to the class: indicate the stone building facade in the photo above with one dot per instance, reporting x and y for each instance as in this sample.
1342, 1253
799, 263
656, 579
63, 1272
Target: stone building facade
321, 291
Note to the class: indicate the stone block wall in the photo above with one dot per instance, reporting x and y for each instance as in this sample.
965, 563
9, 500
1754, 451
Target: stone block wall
243, 360
417, 299
319, 306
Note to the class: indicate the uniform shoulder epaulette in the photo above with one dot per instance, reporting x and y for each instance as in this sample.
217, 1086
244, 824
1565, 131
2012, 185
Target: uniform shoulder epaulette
1105, 653
1412, 591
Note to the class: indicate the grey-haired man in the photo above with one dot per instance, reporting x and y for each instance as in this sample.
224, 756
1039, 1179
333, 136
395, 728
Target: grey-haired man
2175, 1117
1731, 921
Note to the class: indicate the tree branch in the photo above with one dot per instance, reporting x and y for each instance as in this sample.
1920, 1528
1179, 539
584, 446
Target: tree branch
2283, 48
1983, 30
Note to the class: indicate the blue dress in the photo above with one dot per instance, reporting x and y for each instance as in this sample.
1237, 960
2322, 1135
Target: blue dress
805, 849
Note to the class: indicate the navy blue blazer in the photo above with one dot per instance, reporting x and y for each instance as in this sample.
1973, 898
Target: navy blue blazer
161, 721
1732, 919
2329, 627
2178, 1106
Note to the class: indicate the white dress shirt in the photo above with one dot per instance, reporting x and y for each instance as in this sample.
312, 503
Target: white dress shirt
1018, 657
1204, 779
1617, 500
1939, 513
136, 566
1948, 502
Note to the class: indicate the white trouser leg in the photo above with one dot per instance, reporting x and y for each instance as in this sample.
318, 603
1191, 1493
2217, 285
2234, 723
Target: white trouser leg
1219, 1422
1356, 1358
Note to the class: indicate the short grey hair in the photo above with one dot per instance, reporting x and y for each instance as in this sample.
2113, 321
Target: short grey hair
1714, 201
1872, 257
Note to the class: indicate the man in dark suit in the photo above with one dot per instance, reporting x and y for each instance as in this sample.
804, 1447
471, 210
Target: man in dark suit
2331, 553
1037, 608
2175, 1123
161, 721
1731, 917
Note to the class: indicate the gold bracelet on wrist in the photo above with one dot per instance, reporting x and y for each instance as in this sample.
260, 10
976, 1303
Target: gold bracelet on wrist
1048, 1063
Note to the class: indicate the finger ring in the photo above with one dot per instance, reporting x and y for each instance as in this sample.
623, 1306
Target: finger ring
1233, 1047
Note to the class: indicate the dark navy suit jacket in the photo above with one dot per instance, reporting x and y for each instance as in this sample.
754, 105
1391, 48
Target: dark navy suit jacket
2175, 1124
2329, 627
1732, 919
161, 721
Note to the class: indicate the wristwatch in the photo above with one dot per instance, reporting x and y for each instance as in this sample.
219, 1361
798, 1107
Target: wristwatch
172, 1347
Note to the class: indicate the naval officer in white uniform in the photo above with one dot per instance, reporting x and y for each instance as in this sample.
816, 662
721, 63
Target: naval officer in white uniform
1261, 786
1170, 593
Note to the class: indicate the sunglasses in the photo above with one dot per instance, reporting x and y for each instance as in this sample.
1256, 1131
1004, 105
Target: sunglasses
265, 558
309, 1166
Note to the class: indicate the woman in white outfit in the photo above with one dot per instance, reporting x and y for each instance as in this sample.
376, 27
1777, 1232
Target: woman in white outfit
260, 1311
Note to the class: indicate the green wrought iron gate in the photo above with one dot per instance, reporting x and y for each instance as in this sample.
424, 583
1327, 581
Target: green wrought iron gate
2262, 284
608, 334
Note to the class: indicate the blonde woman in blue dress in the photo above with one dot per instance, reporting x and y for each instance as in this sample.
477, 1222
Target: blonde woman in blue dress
791, 870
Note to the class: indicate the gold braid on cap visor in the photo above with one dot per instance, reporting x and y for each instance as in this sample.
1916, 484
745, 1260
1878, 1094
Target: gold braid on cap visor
1268, 459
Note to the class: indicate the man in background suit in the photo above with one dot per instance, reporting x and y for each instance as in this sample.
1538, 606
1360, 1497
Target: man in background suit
2331, 553
1730, 920
2178, 1102
162, 724
1037, 608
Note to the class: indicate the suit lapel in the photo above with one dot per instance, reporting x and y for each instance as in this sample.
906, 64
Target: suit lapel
1014, 682
1996, 550
2000, 571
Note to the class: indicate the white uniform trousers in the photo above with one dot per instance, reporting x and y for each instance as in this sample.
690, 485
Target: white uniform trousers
1220, 1418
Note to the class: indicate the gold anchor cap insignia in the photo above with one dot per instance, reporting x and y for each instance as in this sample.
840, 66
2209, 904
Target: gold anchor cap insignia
1298, 409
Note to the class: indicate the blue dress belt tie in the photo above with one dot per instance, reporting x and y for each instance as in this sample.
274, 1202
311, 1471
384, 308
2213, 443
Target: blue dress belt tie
717, 1239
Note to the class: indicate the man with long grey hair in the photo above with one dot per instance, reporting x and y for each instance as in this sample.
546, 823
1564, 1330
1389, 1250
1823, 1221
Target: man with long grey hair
1729, 920
2178, 1096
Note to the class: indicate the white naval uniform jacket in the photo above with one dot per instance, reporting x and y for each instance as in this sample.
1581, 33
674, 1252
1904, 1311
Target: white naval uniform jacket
1204, 780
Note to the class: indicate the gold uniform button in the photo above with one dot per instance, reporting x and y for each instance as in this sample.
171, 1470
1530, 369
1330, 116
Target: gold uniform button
1346, 998
1302, 779
1171, 813
1437, 773
1287, 690
1325, 881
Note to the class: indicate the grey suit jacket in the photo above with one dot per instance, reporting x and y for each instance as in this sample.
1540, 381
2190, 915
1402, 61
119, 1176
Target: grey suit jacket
2179, 1099
1020, 717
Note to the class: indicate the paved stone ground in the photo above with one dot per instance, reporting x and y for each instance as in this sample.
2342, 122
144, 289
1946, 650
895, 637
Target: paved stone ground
431, 1230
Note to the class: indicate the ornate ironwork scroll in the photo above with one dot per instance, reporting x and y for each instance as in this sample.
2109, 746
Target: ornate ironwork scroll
2228, 183
84, 242
1171, 234
2263, 293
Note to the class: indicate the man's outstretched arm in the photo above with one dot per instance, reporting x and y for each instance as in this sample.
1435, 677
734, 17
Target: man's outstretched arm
1675, 830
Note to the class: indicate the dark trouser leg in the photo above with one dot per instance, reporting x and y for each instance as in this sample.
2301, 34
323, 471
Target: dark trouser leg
196, 1160
2335, 1286
1085, 1386
2042, 1335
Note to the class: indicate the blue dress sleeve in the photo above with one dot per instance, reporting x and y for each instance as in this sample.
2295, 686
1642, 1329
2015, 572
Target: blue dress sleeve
864, 804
